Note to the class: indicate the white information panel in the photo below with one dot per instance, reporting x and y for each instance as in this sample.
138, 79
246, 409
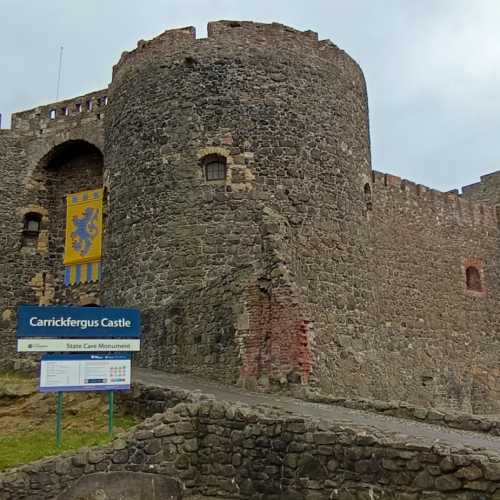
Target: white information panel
85, 372
77, 345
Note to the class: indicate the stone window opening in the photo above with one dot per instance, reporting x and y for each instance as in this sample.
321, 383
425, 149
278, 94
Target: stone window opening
65, 111
473, 279
215, 167
31, 228
78, 107
52, 114
89, 105
368, 197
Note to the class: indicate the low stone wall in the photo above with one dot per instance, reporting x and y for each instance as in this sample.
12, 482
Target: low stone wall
145, 401
401, 409
233, 451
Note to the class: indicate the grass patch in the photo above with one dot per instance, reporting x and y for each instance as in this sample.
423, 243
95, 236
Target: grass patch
15, 378
28, 447
27, 420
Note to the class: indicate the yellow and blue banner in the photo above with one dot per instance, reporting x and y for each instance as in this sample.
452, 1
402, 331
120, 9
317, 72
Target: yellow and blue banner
83, 245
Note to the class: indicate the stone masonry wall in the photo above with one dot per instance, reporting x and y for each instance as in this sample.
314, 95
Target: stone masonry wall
231, 275
485, 191
232, 451
44, 157
436, 342
14, 277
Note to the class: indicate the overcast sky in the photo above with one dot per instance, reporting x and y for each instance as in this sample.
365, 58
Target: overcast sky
432, 66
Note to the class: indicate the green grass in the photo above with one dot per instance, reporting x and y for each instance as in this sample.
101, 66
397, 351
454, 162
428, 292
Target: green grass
85, 423
28, 447
15, 378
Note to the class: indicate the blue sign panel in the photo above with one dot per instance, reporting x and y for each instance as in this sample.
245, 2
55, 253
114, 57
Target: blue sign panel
74, 321
85, 372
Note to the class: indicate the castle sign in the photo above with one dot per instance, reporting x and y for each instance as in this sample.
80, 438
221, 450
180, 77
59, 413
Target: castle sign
85, 372
77, 345
77, 322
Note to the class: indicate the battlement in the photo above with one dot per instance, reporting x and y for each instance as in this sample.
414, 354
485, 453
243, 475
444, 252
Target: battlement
243, 33
413, 196
485, 179
487, 190
242, 30
40, 120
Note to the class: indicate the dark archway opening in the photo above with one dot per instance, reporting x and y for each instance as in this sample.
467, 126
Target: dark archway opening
68, 151
68, 168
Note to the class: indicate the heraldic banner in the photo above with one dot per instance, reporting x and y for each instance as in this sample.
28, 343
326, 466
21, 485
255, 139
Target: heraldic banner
82, 249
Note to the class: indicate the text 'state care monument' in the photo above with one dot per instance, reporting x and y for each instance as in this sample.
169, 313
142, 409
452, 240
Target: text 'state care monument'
242, 216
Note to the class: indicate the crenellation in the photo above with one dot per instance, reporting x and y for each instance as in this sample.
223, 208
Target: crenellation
53, 116
486, 190
423, 198
244, 33
168, 42
246, 30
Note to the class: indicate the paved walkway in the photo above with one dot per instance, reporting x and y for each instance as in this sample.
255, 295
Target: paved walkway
408, 430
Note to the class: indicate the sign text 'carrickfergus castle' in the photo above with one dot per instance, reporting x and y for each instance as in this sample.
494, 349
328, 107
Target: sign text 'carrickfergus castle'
224, 187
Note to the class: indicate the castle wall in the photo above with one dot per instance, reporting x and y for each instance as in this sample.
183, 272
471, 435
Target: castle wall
225, 273
485, 191
42, 160
301, 265
435, 342
14, 277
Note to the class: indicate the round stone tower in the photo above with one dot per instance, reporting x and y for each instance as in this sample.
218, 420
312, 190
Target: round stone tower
238, 169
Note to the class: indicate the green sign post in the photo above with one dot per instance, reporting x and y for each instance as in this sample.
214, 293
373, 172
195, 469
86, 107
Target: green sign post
59, 411
110, 412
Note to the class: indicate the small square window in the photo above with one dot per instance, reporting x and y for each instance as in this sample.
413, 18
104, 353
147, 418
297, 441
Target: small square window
215, 171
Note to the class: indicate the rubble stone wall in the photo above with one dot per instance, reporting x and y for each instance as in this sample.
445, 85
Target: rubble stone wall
231, 451
230, 275
436, 342
42, 158
487, 190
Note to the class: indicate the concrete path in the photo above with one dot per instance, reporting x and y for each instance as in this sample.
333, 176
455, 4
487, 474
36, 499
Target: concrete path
404, 430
